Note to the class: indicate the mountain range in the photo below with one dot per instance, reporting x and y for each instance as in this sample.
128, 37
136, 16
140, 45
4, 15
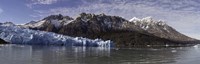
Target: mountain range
124, 33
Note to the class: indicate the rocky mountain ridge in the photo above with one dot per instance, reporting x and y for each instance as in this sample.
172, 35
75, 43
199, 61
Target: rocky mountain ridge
160, 28
124, 33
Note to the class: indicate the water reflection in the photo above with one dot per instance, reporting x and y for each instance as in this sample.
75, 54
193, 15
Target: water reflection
57, 55
24, 54
13, 54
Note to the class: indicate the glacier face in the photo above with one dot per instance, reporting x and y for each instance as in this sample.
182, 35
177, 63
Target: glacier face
17, 35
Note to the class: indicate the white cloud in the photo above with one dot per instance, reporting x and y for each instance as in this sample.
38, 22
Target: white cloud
43, 2
182, 15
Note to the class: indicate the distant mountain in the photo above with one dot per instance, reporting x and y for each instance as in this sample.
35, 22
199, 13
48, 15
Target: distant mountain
7, 24
160, 29
50, 23
124, 33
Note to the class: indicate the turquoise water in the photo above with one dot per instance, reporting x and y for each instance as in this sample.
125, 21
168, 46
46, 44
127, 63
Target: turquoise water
26, 54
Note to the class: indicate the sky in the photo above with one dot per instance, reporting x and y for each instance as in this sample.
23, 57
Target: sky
183, 15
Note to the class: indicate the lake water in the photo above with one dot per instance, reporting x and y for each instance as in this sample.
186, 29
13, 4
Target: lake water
26, 54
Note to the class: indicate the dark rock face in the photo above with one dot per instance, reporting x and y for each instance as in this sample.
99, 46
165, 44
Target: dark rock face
124, 33
58, 17
2, 41
88, 24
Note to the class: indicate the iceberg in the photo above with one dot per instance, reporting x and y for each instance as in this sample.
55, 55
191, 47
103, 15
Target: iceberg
17, 35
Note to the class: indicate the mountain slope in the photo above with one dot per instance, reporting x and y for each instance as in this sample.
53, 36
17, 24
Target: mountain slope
2, 41
117, 29
160, 29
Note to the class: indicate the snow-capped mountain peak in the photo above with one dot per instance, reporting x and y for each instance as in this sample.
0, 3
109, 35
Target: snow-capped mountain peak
147, 21
134, 19
52, 21
7, 24
158, 28
33, 24
151, 25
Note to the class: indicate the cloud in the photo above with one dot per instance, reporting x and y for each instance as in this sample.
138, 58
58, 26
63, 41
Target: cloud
131, 7
41, 2
183, 15
44, 1
1, 10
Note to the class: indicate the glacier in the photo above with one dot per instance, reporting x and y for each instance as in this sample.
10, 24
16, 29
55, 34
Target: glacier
17, 35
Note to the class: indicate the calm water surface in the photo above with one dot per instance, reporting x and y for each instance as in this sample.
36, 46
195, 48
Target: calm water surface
26, 54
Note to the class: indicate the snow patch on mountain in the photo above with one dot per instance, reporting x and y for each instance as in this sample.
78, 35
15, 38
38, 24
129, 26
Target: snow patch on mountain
148, 20
134, 19
17, 35
67, 22
146, 23
33, 24
54, 20
7, 24
56, 23
159, 28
